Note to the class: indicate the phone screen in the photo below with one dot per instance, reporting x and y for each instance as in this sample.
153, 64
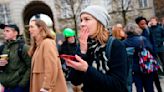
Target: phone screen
67, 56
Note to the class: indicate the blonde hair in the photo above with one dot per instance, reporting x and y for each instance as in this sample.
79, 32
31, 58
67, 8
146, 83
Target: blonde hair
102, 34
116, 31
154, 17
45, 33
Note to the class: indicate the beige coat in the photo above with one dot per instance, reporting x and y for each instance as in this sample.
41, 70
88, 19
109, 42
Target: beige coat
46, 69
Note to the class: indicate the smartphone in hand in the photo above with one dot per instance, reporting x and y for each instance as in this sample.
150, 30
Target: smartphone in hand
67, 56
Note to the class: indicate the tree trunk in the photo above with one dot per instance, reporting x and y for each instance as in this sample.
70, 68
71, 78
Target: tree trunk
124, 17
74, 17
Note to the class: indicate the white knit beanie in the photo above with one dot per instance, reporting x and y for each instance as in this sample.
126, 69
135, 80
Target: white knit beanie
99, 13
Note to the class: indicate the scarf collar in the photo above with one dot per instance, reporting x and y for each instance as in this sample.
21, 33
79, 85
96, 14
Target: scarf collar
98, 54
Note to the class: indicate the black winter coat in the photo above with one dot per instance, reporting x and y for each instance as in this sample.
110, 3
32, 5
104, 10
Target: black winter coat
157, 38
113, 81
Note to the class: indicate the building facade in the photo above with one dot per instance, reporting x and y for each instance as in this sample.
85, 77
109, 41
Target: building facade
159, 8
65, 13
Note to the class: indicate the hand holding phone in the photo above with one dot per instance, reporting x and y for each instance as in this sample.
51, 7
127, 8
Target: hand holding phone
67, 56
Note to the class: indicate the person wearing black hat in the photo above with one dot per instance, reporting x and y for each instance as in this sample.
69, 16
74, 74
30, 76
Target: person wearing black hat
14, 75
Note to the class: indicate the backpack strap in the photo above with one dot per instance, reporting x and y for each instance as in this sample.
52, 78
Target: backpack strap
109, 46
1, 48
20, 49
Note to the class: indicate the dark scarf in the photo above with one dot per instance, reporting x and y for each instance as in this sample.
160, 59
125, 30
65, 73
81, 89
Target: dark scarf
97, 53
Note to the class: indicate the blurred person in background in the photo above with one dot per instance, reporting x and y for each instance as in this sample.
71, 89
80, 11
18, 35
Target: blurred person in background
162, 22
134, 39
15, 75
69, 47
143, 24
148, 33
118, 32
157, 39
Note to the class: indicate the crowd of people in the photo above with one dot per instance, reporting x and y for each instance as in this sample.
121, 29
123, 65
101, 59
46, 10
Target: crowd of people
97, 60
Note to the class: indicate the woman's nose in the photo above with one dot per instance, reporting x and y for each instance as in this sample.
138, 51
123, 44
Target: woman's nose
82, 24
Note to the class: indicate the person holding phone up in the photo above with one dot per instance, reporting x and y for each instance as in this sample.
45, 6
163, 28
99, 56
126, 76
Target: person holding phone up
92, 67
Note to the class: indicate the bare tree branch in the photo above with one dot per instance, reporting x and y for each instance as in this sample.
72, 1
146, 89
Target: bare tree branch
129, 2
122, 7
122, 4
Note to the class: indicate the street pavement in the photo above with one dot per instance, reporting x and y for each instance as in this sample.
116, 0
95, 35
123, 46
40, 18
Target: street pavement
134, 90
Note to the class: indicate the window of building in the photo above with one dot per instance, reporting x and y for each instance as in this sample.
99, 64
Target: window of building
5, 14
143, 3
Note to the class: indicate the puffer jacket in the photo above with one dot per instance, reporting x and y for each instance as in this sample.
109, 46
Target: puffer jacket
16, 72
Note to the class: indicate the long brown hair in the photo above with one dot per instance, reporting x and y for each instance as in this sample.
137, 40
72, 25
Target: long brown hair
102, 34
45, 33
